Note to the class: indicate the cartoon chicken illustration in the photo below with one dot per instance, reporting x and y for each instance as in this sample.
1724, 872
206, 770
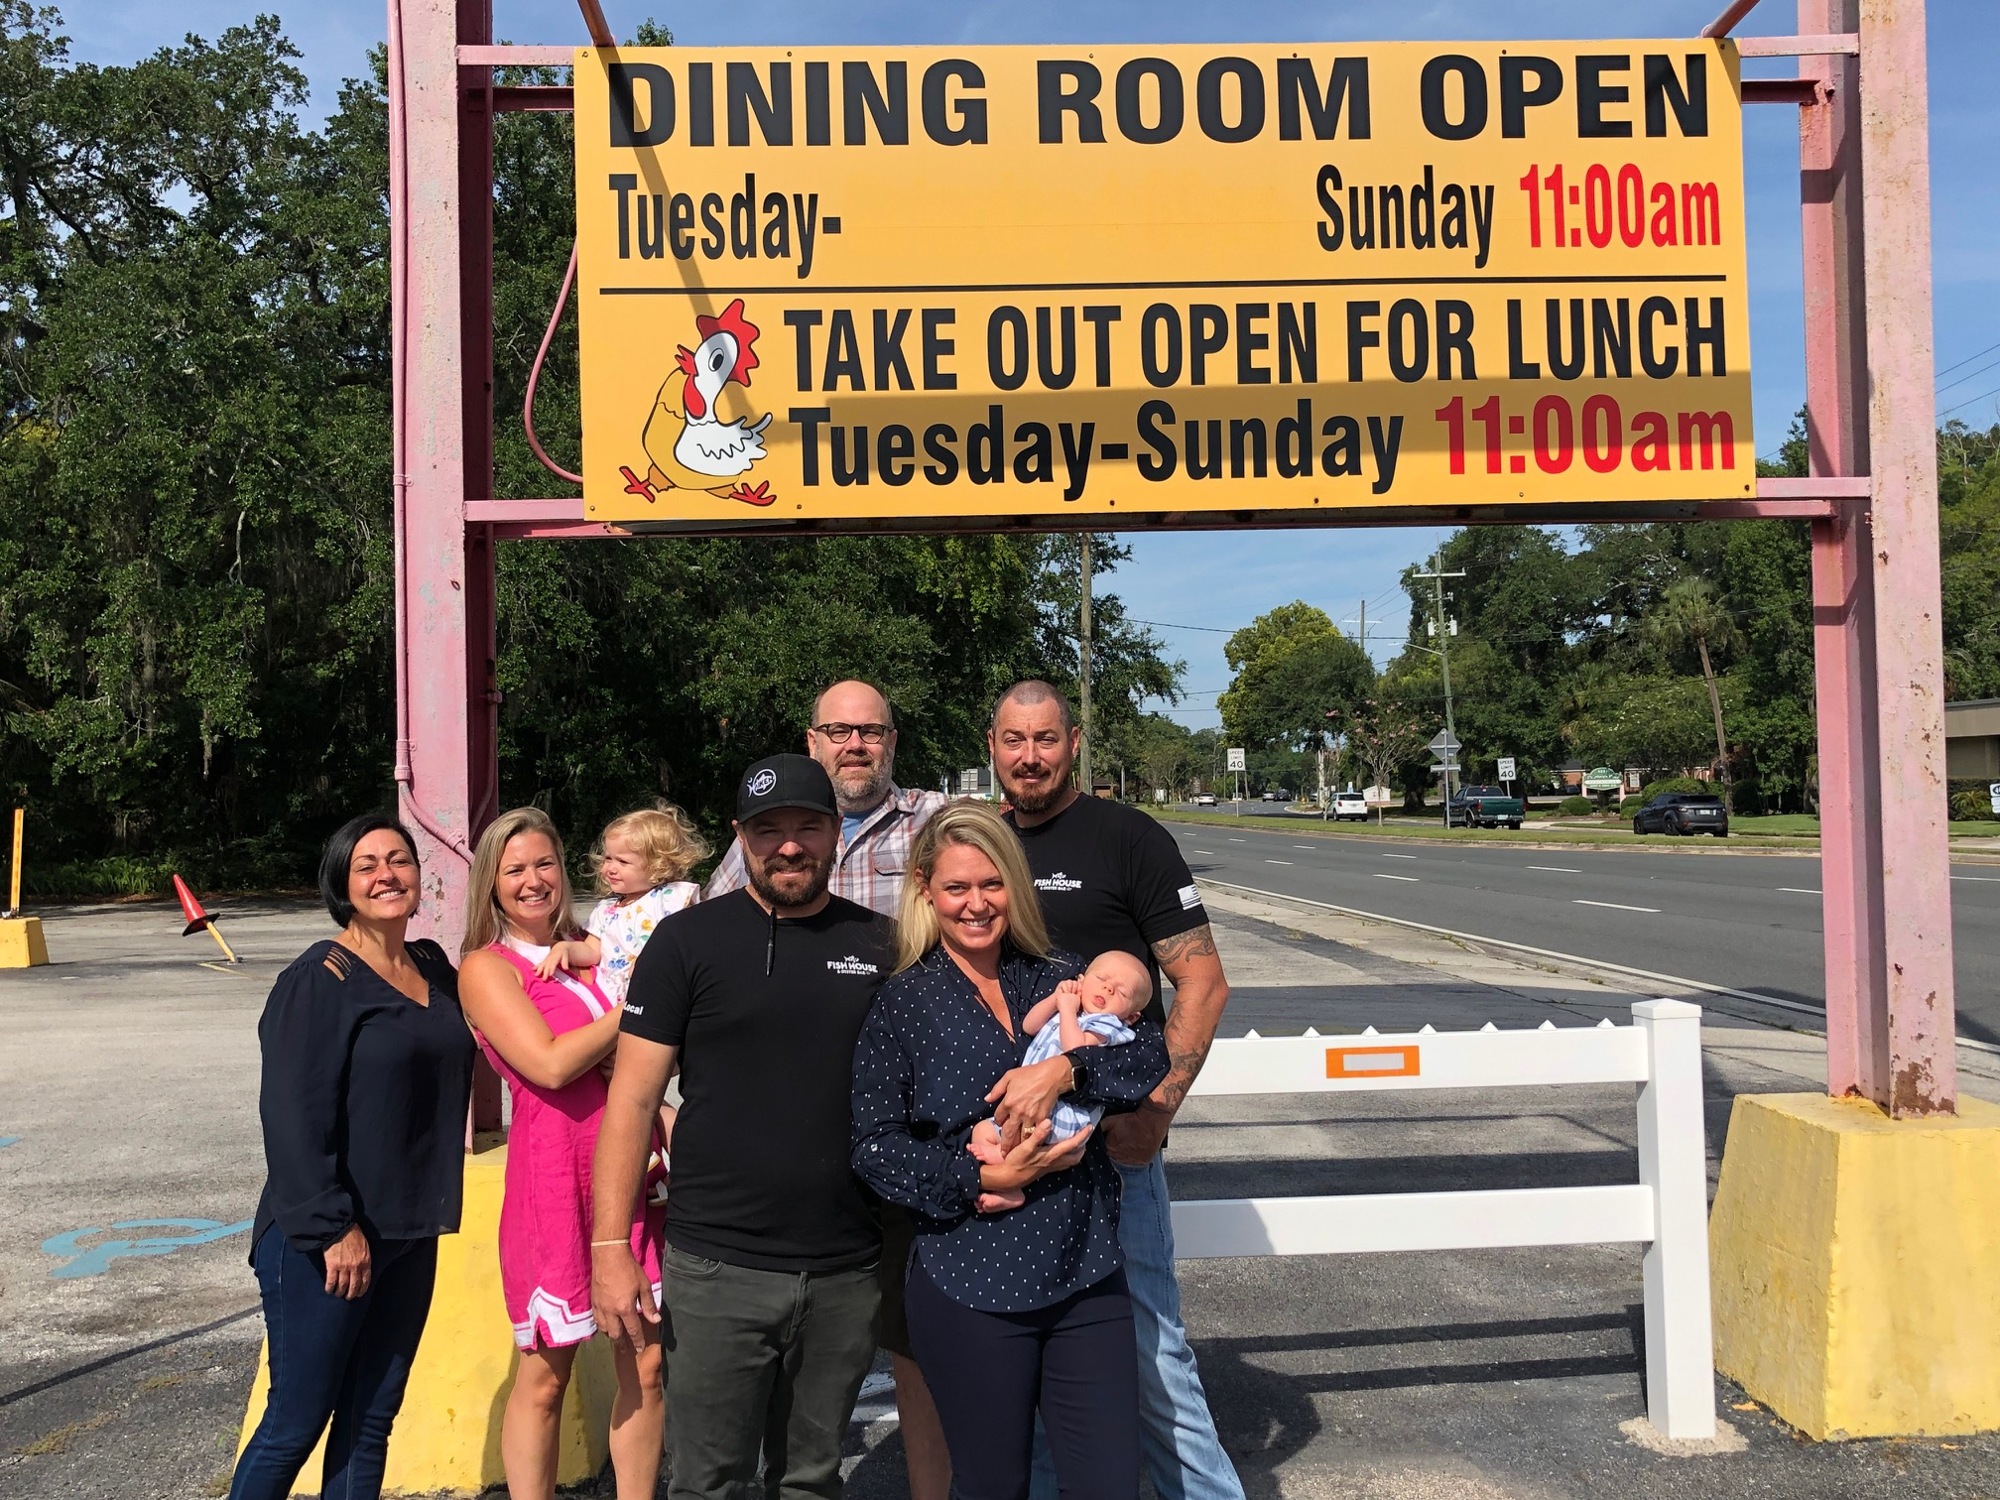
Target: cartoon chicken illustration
689, 445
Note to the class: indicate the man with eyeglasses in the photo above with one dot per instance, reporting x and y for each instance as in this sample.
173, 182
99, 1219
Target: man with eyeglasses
853, 735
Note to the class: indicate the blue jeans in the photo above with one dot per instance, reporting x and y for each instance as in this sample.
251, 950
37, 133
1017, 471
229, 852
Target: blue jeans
1177, 1438
334, 1359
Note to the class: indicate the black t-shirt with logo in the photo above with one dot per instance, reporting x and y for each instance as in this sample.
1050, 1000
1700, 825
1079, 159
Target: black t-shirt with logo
1111, 877
760, 1161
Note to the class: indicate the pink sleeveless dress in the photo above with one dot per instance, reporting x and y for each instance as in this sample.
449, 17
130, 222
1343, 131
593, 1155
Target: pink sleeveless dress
545, 1215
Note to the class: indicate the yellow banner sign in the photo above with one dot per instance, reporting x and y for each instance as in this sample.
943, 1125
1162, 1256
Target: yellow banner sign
899, 286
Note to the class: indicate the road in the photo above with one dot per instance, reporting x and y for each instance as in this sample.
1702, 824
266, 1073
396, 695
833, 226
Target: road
1747, 921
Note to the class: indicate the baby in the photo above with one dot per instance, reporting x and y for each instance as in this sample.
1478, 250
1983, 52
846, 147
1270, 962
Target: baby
1094, 1011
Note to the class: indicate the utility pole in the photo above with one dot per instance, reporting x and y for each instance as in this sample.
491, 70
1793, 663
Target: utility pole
1442, 630
1083, 670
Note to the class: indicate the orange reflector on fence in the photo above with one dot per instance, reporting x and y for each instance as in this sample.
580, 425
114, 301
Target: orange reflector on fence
1372, 1062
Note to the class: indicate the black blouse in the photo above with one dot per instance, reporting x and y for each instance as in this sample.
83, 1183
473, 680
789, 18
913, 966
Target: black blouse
928, 1054
363, 1100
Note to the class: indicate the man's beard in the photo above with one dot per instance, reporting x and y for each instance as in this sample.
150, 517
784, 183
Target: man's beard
762, 883
1038, 798
853, 795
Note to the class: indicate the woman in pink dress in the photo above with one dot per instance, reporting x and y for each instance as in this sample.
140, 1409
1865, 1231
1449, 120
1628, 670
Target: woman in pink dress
551, 1040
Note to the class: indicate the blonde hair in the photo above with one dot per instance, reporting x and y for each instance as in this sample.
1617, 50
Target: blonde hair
666, 841
485, 924
969, 825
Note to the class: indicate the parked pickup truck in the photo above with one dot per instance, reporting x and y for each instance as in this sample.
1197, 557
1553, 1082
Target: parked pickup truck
1483, 807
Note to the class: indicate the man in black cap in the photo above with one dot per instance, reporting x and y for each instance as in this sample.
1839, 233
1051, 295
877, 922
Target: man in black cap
770, 1278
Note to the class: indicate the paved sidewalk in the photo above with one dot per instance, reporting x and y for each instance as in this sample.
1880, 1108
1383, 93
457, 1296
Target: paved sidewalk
128, 1078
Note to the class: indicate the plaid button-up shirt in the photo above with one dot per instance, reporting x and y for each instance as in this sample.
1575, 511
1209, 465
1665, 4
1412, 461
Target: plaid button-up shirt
867, 869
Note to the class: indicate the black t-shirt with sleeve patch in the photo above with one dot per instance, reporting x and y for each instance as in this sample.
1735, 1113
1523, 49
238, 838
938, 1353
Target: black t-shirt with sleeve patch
1110, 877
760, 1159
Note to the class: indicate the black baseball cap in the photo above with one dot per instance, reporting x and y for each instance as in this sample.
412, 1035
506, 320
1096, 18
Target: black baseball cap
785, 781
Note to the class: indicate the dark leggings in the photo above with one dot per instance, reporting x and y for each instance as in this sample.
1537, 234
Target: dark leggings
990, 1372
334, 1359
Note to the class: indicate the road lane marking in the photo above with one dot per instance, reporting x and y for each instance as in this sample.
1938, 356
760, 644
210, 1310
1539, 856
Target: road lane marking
1277, 861
1411, 879
1209, 852
1982, 879
1616, 906
1799, 890
1236, 841
1556, 869
1399, 856
1305, 846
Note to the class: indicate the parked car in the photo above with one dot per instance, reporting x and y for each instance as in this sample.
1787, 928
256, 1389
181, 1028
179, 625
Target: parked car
1483, 807
1204, 799
1681, 814
1275, 795
1350, 805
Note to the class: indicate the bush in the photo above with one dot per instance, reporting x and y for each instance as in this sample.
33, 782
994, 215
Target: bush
1970, 807
1746, 797
1576, 807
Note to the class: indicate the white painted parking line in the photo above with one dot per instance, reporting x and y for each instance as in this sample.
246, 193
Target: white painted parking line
1277, 861
1399, 856
1617, 906
1800, 890
1556, 869
1411, 879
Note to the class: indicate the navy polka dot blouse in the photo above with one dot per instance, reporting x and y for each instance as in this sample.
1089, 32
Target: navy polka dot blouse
927, 1055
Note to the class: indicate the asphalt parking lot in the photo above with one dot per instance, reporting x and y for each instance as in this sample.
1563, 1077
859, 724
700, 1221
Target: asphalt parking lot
130, 1165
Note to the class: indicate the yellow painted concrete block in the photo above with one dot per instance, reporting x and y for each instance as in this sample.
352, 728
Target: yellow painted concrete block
447, 1436
1856, 1265
21, 943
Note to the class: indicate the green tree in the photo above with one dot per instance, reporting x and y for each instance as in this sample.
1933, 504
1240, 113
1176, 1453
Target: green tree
1692, 614
1292, 667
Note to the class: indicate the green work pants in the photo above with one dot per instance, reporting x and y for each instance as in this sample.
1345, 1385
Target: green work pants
762, 1364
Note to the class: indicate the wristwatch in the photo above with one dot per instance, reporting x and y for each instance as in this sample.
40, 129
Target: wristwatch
1079, 1073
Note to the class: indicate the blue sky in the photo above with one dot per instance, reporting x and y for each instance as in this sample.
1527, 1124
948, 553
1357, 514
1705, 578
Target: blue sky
1201, 585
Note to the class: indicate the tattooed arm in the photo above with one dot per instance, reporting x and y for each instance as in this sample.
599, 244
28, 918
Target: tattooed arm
1190, 962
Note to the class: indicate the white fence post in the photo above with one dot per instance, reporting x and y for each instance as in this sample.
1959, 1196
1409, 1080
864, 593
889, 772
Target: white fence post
1680, 1353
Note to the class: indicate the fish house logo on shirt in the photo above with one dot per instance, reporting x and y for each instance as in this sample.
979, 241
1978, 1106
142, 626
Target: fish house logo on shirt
853, 967
1057, 882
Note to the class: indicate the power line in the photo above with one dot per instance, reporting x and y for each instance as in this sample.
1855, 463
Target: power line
1972, 402
1163, 625
1970, 375
1969, 359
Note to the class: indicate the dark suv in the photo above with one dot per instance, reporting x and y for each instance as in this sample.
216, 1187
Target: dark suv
1683, 813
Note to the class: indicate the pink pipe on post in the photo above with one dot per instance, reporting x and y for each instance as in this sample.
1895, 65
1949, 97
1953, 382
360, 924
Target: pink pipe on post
1723, 24
399, 298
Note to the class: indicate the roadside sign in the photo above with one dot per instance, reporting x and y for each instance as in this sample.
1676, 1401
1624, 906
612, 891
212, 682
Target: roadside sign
1237, 762
1378, 796
1993, 792
1602, 779
1445, 744
1506, 768
1439, 767
904, 285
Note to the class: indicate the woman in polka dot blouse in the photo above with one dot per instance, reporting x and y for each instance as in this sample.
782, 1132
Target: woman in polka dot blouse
1010, 1310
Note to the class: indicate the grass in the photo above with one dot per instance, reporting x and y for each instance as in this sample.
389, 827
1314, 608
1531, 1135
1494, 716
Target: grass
59, 1440
1578, 831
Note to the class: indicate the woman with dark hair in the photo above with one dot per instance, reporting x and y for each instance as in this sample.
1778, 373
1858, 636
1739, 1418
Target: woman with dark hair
367, 1073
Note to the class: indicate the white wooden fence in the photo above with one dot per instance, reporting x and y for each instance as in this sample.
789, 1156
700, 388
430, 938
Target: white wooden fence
1667, 1207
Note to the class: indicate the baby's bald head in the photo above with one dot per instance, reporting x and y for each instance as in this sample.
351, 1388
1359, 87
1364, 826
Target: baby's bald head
1116, 983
